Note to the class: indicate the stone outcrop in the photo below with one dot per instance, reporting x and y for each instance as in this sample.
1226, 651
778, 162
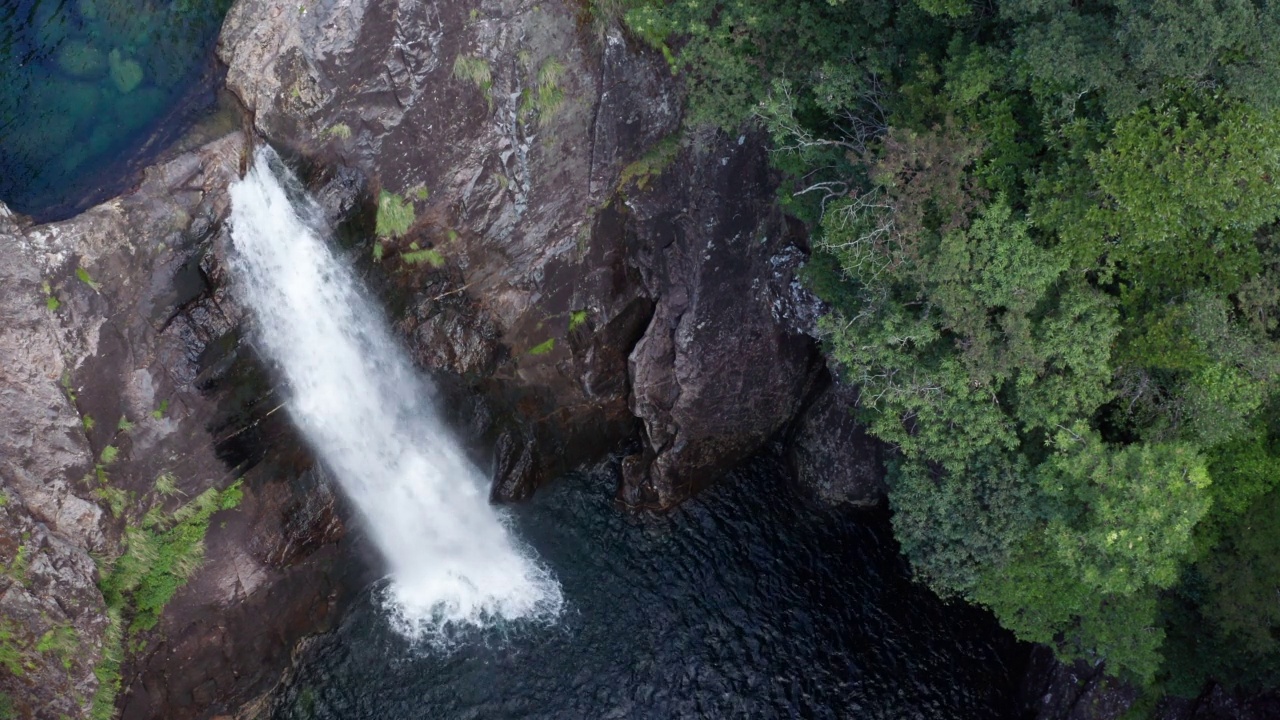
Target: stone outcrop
598, 279
1053, 690
831, 454
123, 362
602, 279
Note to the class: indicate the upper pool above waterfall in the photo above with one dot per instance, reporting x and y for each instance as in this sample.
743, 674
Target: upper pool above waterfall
88, 85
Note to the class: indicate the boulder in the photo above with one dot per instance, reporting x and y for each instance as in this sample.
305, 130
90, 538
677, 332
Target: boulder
831, 454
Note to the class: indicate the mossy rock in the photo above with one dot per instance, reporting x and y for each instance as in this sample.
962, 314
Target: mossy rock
79, 59
126, 73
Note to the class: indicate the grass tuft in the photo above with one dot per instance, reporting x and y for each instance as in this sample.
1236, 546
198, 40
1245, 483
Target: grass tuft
395, 215
476, 71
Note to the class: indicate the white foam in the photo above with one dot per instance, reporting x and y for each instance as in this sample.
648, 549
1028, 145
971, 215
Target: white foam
373, 421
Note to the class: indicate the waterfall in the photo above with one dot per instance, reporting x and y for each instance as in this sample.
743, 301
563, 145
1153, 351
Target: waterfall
374, 422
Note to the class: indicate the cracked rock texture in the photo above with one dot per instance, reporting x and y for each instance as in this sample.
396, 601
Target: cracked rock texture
604, 279
120, 333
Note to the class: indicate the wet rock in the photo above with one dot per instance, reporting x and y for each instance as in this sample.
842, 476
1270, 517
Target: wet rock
715, 375
831, 454
515, 473
125, 360
556, 268
1054, 690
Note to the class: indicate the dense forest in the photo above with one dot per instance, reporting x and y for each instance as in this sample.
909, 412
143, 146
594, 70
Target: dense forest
1047, 232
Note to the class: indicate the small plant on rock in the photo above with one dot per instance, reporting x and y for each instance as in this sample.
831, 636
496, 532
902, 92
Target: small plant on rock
395, 215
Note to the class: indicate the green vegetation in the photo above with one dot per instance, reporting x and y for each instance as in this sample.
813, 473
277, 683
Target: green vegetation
395, 215
577, 319
166, 484
160, 555
11, 654
651, 164
63, 641
339, 131
123, 425
17, 569
544, 347
476, 71
541, 102
51, 301
417, 255
84, 277
160, 410
1049, 233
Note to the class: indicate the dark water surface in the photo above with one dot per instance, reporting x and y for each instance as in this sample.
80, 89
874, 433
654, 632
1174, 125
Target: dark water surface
741, 604
86, 84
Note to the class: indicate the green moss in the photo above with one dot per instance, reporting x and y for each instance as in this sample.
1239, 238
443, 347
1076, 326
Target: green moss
544, 347
157, 561
123, 425
160, 411
651, 165
417, 256
395, 215
88, 422
108, 454
577, 319
340, 131
84, 277
63, 641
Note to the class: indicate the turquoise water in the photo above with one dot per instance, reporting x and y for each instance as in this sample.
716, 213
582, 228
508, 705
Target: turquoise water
85, 83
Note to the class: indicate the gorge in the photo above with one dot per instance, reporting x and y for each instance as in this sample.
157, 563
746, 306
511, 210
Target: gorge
464, 360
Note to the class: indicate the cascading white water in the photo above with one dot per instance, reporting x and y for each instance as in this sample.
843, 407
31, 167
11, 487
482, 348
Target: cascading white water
373, 422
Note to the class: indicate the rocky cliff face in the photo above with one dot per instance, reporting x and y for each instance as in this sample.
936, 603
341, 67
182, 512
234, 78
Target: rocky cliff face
597, 280
128, 391
1053, 690
601, 273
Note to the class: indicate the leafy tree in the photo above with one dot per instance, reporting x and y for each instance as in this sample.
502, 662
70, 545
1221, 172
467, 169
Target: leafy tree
1047, 231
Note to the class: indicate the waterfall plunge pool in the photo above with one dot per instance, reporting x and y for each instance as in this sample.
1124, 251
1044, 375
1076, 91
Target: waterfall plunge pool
743, 603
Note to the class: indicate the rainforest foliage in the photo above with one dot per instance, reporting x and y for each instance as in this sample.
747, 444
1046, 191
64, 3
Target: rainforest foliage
1048, 232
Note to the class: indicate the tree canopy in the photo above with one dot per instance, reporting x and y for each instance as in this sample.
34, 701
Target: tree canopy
1047, 231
